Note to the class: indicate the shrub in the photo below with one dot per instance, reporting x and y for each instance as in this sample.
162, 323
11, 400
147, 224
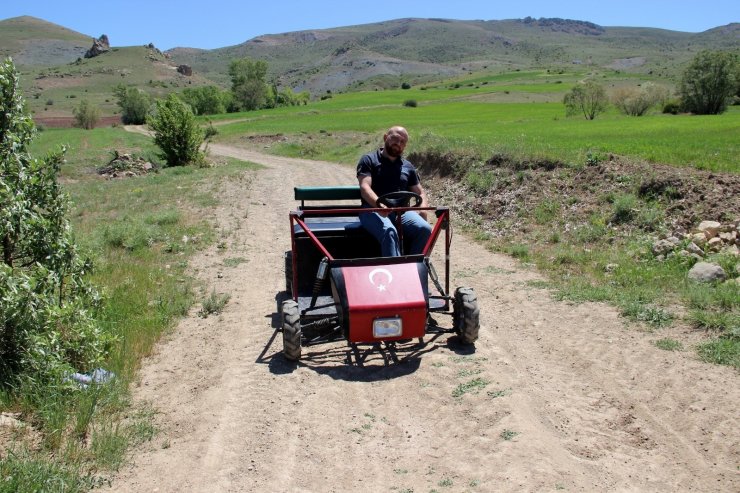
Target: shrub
47, 328
176, 132
411, 103
672, 107
134, 104
635, 101
86, 115
405, 85
709, 82
588, 98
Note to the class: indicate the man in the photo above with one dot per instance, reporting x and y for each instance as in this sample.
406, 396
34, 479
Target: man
384, 171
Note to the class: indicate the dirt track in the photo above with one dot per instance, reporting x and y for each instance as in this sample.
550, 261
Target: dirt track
575, 401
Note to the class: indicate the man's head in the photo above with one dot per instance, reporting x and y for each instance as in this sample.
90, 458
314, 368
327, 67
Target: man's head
394, 142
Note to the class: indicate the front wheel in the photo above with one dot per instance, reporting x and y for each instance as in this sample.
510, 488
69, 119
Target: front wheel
291, 321
466, 315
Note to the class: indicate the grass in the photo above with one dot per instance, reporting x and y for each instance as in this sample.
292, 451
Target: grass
140, 233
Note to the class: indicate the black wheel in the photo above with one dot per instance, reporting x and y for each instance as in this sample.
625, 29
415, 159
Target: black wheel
399, 199
291, 319
466, 315
289, 272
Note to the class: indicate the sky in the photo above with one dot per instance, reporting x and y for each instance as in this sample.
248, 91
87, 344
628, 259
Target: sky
218, 23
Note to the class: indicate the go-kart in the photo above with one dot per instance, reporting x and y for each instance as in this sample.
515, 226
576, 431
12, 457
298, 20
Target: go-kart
341, 288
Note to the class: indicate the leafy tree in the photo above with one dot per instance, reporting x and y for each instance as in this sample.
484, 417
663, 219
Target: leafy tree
176, 132
248, 83
636, 101
86, 115
134, 104
588, 98
208, 100
46, 323
709, 82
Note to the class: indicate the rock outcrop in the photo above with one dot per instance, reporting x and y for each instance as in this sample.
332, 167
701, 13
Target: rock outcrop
100, 45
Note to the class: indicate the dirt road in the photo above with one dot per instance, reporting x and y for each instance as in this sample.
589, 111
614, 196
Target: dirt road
563, 397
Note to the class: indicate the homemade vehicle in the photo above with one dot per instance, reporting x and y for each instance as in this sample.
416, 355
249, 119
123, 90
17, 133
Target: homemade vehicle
341, 288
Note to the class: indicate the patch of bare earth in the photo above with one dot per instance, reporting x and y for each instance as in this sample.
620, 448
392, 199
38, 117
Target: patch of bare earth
552, 396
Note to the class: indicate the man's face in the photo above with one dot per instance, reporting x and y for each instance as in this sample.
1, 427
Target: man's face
394, 144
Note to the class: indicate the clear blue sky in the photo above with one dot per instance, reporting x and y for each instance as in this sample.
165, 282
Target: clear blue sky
219, 23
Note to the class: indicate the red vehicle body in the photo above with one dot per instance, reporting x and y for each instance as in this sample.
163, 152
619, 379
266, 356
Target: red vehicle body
340, 287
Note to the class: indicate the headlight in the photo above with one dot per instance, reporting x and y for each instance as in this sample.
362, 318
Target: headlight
387, 327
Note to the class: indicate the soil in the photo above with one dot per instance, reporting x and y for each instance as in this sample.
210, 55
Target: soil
553, 396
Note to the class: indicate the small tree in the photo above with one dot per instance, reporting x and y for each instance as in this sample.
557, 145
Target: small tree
248, 84
46, 324
588, 98
134, 104
86, 115
636, 101
709, 82
176, 132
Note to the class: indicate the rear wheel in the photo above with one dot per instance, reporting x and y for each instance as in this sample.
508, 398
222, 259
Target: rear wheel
466, 315
291, 320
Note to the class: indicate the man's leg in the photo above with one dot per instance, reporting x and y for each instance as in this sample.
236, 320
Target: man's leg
417, 230
383, 230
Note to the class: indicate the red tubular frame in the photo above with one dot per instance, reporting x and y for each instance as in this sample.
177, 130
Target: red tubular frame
296, 217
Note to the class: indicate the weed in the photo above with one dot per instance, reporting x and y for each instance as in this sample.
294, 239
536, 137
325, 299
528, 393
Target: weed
401, 471
519, 251
508, 434
445, 483
498, 393
654, 316
668, 344
474, 386
469, 373
624, 208
213, 304
721, 351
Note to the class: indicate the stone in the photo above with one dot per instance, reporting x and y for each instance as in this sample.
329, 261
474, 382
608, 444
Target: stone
715, 244
662, 247
709, 228
611, 267
699, 238
186, 70
707, 272
100, 45
694, 248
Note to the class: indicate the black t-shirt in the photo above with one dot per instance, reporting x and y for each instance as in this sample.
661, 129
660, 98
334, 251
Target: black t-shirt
388, 176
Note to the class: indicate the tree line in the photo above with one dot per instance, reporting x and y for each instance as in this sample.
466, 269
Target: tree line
709, 84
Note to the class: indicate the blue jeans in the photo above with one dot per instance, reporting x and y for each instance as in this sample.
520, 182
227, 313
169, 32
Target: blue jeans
415, 229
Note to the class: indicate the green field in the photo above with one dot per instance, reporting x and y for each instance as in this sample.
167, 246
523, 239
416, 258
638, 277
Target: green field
523, 129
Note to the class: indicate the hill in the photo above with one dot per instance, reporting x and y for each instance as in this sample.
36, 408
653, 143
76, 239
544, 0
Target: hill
424, 49
363, 57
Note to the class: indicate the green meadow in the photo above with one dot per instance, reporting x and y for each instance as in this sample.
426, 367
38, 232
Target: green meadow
470, 117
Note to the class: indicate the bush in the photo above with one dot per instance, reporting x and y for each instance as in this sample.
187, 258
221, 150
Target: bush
588, 98
411, 103
86, 115
47, 327
635, 101
405, 85
176, 132
672, 107
134, 104
709, 82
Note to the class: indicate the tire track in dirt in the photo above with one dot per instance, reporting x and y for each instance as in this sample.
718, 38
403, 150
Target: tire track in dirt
569, 398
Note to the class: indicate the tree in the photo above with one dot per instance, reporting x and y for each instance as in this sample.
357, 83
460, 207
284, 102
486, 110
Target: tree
207, 100
176, 132
709, 82
134, 104
248, 83
636, 101
86, 115
46, 306
588, 98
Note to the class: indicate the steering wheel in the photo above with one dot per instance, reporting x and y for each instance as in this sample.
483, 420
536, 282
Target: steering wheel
399, 199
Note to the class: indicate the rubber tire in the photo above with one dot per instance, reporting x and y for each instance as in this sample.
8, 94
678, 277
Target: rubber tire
289, 273
466, 315
291, 321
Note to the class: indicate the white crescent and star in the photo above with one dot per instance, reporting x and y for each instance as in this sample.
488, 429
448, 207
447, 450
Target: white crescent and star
386, 273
